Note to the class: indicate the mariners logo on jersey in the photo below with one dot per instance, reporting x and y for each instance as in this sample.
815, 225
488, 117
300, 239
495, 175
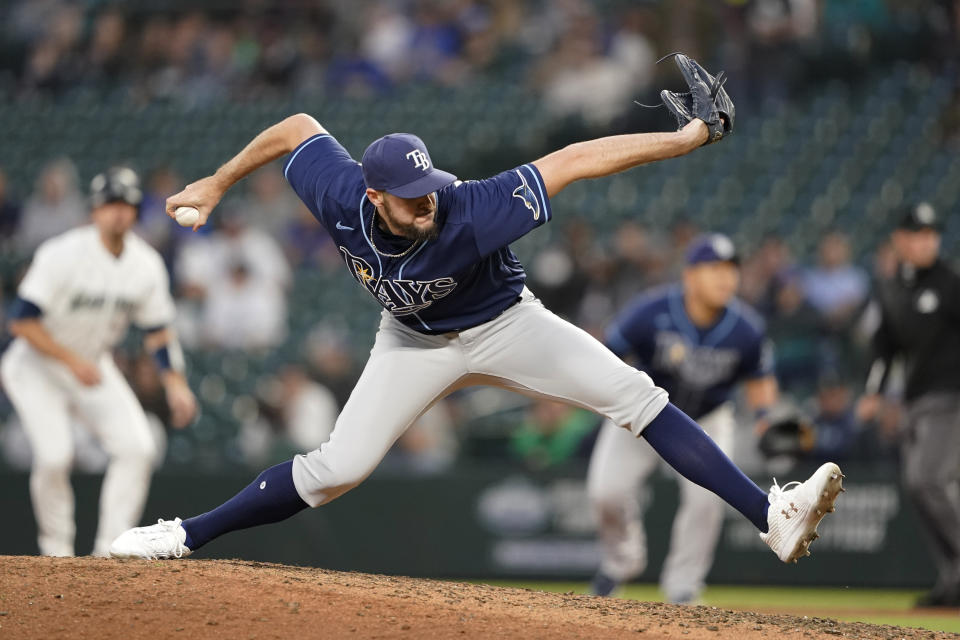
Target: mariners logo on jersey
400, 297
96, 301
525, 193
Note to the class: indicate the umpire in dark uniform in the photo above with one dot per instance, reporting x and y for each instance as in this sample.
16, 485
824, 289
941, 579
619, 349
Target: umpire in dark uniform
920, 325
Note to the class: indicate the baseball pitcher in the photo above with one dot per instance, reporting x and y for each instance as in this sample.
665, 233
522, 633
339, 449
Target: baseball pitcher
434, 253
75, 303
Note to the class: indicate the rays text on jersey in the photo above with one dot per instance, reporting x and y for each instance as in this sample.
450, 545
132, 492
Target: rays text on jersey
399, 296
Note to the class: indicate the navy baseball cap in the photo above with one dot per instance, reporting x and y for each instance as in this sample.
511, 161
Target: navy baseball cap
714, 247
918, 217
400, 164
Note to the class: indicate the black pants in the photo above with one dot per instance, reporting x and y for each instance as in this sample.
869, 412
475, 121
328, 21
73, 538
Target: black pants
931, 474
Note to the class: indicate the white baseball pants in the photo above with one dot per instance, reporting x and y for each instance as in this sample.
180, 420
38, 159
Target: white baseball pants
526, 349
619, 466
47, 397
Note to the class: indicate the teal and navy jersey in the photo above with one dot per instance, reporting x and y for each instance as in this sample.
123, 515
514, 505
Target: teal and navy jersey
698, 367
464, 277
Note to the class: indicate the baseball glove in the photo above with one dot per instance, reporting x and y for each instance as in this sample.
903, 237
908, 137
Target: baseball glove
788, 435
706, 99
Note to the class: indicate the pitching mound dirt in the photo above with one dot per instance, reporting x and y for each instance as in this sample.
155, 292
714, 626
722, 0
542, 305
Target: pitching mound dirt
101, 598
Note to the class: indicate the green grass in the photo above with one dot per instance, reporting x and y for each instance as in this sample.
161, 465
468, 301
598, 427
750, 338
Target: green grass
876, 606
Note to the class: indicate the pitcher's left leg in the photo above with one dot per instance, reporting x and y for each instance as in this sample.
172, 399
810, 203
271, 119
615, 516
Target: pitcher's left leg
531, 350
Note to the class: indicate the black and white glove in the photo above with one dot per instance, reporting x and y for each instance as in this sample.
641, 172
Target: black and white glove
706, 99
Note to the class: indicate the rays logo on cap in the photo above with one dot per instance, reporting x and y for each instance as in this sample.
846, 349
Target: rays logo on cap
400, 164
712, 247
420, 159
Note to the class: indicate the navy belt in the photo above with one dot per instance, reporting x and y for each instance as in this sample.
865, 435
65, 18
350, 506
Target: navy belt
453, 332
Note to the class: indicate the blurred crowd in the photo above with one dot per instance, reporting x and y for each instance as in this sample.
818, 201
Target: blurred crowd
236, 281
588, 59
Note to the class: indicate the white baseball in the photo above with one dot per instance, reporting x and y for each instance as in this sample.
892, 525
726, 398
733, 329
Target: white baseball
186, 216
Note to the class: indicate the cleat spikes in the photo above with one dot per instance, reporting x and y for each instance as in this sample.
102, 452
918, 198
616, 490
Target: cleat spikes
796, 509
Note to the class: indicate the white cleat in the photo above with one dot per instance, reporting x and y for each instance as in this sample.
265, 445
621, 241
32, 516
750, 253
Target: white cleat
796, 509
156, 542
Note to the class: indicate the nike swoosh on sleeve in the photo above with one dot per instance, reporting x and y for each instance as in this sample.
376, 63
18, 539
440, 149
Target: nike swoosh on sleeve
343, 227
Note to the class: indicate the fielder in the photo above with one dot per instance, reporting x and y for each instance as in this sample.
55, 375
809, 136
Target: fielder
434, 253
697, 341
74, 304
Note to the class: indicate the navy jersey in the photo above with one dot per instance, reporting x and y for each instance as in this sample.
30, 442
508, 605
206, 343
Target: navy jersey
464, 277
698, 367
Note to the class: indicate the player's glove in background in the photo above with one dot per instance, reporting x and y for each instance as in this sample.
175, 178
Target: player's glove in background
706, 99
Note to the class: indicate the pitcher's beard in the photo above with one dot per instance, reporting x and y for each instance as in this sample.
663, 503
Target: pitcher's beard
422, 235
412, 231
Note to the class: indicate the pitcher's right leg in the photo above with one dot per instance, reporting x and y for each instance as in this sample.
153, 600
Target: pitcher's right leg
406, 373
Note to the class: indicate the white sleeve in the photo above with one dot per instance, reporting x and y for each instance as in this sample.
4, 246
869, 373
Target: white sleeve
156, 309
45, 279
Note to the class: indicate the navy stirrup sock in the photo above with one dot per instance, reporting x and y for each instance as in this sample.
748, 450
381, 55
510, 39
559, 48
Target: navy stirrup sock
270, 498
688, 449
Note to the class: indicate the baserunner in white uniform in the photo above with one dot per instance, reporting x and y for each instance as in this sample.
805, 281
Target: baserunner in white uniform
75, 303
698, 342
434, 253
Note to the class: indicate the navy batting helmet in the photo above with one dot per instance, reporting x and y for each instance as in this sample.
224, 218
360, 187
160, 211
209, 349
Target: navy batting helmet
117, 184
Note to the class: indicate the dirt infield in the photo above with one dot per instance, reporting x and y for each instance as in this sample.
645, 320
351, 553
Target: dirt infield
101, 598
